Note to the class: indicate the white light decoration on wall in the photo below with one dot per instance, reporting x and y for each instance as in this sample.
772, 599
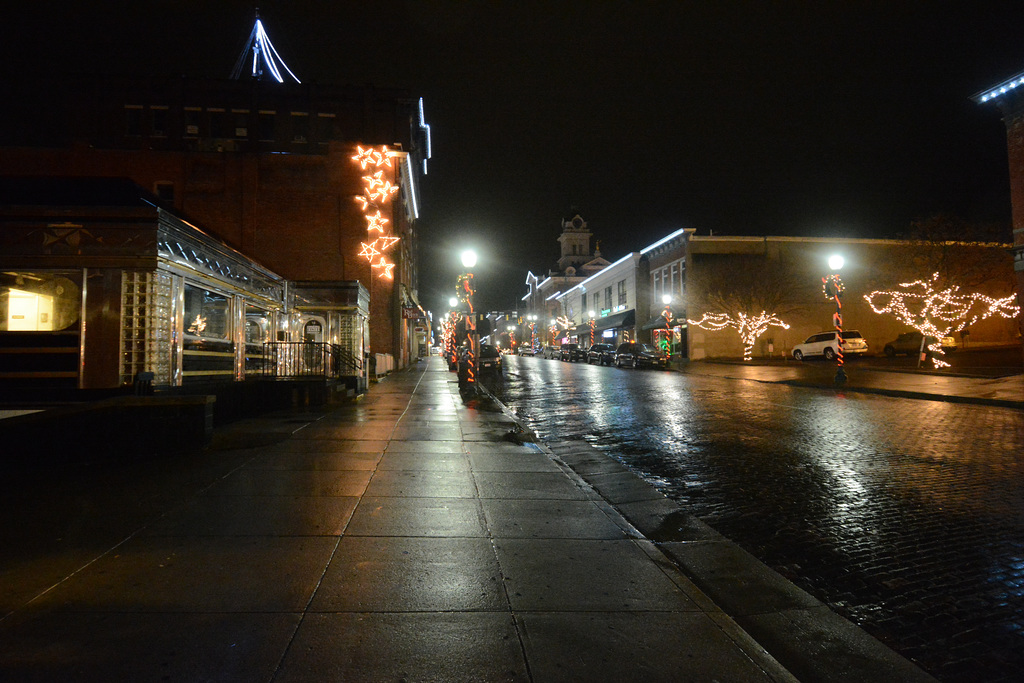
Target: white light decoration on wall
377, 190
749, 327
939, 313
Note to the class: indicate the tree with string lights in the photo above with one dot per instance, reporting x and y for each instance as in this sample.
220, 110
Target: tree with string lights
750, 327
747, 293
938, 313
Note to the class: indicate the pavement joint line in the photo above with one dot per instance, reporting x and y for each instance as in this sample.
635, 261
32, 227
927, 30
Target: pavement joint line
789, 654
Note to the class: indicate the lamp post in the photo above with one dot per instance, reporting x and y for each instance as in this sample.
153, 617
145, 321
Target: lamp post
466, 292
667, 313
833, 288
450, 346
592, 321
533, 331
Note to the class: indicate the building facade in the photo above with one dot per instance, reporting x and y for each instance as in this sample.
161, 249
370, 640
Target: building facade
1008, 96
271, 169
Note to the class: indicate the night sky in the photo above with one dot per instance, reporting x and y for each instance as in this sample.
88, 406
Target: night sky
844, 119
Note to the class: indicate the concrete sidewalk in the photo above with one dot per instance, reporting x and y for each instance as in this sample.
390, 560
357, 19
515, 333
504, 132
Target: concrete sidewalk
406, 537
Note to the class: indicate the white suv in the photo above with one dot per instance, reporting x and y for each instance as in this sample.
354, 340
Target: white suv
825, 344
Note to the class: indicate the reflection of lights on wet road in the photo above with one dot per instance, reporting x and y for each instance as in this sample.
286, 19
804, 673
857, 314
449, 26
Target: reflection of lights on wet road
883, 508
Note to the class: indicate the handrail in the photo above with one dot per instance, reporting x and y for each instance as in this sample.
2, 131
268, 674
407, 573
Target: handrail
308, 359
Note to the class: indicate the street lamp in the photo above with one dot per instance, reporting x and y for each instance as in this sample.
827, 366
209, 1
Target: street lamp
833, 288
591, 314
450, 327
466, 292
667, 313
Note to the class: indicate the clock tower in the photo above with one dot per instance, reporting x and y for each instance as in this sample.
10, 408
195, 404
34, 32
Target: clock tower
575, 239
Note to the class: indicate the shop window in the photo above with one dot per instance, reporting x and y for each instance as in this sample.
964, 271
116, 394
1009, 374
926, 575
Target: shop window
207, 314
133, 120
266, 120
38, 302
159, 121
622, 292
300, 126
192, 122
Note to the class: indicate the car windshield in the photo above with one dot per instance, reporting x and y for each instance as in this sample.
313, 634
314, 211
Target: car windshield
645, 348
488, 351
851, 334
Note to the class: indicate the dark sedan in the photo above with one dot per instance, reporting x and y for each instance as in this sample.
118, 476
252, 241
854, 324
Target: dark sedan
572, 353
602, 354
640, 356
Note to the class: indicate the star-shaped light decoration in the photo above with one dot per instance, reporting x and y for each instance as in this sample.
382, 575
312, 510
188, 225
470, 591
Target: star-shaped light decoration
383, 193
385, 268
363, 201
376, 222
385, 242
369, 251
374, 180
372, 157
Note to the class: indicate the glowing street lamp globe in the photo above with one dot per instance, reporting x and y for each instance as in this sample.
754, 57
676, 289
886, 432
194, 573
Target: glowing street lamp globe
835, 262
469, 258
453, 302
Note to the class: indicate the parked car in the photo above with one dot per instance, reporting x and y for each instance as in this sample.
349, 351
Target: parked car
490, 359
826, 344
910, 344
602, 354
572, 353
552, 352
527, 350
640, 355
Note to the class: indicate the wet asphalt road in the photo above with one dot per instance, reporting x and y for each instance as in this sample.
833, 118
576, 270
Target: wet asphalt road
905, 516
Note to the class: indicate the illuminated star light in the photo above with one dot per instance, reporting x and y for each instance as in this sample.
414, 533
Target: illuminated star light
385, 267
369, 251
363, 201
376, 222
384, 193
374, 180
385, 242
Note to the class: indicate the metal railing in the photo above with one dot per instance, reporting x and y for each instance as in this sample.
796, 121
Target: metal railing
309, 359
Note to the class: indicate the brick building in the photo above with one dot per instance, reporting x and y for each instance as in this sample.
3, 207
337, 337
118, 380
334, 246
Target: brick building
266, 167
1008, 96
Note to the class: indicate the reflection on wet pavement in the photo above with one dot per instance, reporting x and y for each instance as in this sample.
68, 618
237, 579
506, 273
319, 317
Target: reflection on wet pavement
903, 515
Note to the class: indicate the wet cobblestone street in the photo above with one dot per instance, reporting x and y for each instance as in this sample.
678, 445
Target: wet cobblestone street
905, 516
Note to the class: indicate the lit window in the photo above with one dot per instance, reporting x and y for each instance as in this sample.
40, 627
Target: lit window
38, 302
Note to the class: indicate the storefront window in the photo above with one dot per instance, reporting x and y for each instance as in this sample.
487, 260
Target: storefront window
38, 301
206, 314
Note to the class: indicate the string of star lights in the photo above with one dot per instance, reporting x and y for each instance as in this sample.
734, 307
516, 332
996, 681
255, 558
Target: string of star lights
749, 327
377, 191
938, 314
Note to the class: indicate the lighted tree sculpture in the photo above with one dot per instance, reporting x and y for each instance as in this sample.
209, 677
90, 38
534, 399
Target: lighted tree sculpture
938, 313
750, 327
731, 290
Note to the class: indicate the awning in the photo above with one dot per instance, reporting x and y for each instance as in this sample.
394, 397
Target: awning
624, 319
658, 323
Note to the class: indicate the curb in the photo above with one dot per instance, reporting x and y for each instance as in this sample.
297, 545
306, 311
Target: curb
801, 633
